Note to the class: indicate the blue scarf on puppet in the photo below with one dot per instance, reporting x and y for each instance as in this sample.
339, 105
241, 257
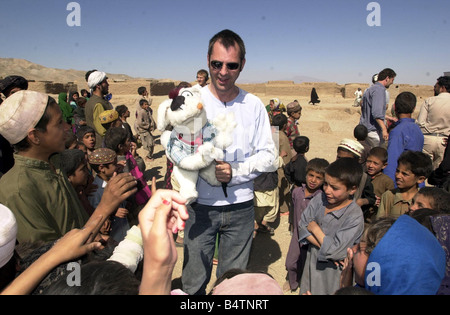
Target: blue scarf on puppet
408, 260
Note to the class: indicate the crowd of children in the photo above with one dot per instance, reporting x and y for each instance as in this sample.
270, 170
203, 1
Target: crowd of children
369, 203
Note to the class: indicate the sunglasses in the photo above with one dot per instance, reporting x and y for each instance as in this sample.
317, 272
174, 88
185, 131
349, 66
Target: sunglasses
218, 65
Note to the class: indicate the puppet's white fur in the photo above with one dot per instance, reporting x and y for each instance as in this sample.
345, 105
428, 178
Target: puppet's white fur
190, 119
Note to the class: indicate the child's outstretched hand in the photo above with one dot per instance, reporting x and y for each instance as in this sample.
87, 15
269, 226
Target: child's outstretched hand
164, 215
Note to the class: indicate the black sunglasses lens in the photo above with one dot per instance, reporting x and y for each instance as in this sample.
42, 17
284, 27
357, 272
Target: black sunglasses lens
232, 66
217, 65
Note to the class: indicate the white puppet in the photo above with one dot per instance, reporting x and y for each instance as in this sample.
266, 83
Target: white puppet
194, 143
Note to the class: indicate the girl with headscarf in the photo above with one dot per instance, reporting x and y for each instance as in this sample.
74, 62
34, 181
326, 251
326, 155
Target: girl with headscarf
65, 108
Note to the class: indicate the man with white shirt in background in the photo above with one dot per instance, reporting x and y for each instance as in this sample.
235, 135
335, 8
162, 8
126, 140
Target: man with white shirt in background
434, 121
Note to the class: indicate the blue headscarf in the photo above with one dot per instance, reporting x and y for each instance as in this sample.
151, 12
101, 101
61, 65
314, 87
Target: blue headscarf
408, 260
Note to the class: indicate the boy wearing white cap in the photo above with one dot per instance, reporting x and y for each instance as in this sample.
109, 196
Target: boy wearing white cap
98, 83
365, 195
36, 190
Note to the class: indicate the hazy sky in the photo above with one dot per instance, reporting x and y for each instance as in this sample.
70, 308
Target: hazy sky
285, 39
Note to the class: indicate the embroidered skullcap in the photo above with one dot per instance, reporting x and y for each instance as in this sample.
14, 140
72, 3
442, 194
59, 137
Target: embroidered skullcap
249, 284
108, 116
8, 234
21, 112
353, 146
102, 156
293, 107
95, 78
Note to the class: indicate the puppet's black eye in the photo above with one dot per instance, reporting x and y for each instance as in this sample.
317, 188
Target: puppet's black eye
176, 103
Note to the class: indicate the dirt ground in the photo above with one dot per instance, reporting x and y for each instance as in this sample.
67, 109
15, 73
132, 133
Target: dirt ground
325, 125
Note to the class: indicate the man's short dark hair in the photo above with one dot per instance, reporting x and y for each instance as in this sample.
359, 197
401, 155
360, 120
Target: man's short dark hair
346, 170
228, 39
444, 82
386, 73
405, 103
419, 163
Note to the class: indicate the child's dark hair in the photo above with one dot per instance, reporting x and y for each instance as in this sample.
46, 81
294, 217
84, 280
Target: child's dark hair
380, 153
419, 163
114, 137
71, 160
83, 130
301, 144
81, 101
121, 109
439, 198
346, 170
317, 165
405, 103
279, 121
141, 90
142, 102
360, 132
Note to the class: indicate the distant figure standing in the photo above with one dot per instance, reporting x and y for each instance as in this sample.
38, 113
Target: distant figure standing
358, 98
98, 83
314, 97
373, 109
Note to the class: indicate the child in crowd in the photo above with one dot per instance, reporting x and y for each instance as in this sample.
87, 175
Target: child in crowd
104, 163
364, 196
431, 198
74, 164
86, 135
330, 224
405, 135
396, 257
71, 140
124, 114
375, 164
279, 125
145, 125
294, 111
413, 169
117, 139
79, 117
301, 196
295, 170
360, 133
110, 119
266, 190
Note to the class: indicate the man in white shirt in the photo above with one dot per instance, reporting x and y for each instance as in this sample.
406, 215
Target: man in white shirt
434, 121
253, 152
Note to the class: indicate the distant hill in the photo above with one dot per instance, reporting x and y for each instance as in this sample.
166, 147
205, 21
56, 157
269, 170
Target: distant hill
32, 71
